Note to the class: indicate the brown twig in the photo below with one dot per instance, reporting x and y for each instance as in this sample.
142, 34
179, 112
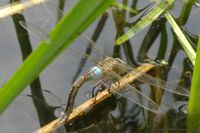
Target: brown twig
17, 7
83, 108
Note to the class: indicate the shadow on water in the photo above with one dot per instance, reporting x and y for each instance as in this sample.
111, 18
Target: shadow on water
123, 116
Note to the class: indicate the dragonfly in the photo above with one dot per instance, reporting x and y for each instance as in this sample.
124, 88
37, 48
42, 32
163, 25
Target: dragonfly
111, 69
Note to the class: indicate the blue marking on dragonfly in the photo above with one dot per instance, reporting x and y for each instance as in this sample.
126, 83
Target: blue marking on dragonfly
96, 72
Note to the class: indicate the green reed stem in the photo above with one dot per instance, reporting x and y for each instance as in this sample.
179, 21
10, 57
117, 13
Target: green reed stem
193, 125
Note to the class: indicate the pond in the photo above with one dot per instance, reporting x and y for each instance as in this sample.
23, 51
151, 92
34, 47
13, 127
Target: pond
39, 103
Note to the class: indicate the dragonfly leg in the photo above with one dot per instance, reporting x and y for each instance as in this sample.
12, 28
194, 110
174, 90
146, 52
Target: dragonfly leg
110, 86
98, 85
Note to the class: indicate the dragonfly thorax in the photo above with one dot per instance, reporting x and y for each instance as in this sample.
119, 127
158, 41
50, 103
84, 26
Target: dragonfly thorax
109, 65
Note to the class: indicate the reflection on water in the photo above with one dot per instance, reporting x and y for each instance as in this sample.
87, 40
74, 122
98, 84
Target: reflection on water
157, 42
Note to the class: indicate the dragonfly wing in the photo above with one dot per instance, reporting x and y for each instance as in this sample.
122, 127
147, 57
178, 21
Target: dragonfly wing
36, 31
55, 12
39, 33
146, 78
34, 106
139, 98
136, 96
50, 99
86, 52
74, 53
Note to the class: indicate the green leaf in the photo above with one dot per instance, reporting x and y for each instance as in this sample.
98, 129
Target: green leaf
145, 21
182, 39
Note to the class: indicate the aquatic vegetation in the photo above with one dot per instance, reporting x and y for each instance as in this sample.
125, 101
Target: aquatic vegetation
148, 19
181, 37
157, 41
109, 69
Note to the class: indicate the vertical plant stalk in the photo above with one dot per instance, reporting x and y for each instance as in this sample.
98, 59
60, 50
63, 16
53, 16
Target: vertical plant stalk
193, 118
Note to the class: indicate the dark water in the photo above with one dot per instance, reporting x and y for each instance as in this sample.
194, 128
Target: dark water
28, 112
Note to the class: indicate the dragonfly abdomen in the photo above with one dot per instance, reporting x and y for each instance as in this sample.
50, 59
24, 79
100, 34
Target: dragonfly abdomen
72, 94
